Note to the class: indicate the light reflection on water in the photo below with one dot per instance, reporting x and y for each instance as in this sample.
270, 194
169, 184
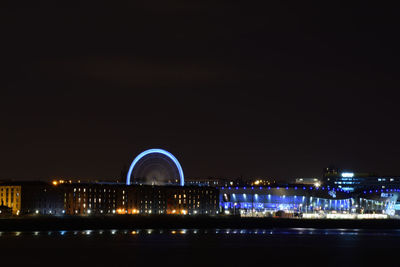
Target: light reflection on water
218, 232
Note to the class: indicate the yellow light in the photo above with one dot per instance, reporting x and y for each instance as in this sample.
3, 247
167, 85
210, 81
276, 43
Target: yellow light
121, 211
134, 232
173, 232
55, 183
134, 211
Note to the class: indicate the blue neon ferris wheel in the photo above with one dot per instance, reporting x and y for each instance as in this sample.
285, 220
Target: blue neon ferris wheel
157, 169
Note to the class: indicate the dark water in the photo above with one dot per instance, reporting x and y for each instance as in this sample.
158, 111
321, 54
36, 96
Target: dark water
216, 247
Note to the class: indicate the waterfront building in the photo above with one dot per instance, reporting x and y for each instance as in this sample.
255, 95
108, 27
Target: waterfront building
110, 198
353, 182
10, 197
32, 198
307, 201
191, 200
93, 198
294, 199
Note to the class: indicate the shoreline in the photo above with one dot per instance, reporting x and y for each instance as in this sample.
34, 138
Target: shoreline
182, 222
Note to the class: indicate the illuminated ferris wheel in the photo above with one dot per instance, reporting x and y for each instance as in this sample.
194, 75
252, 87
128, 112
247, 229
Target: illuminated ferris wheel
155, 167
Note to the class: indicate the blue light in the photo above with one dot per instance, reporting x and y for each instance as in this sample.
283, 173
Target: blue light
277, 187
295, 188
154, 151
287, 188
243, 187
304, 188
252, 188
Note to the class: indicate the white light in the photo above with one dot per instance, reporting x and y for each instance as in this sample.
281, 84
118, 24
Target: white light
347, 174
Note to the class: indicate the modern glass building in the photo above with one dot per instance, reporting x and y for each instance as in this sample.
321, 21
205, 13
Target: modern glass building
295, 199
352, 182
306, 201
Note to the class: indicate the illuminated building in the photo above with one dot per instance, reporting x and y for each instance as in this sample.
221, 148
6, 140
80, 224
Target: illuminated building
33, 198
110, 198
297, 200
93, 198
266, 201
354, 182
10, 196
191, 200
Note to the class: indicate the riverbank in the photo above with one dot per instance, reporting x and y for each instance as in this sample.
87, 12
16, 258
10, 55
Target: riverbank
184, 222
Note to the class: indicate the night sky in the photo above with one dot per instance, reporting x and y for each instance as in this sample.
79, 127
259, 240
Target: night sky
231, 89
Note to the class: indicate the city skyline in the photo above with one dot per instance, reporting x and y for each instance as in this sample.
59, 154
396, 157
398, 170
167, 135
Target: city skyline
199, 133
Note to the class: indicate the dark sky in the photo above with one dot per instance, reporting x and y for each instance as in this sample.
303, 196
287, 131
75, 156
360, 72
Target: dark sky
231, 89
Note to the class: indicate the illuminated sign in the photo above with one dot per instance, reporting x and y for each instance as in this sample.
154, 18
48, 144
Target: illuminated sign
155, 151
347, 174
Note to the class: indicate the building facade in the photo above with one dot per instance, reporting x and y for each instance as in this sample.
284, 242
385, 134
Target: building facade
32, 198
10, 196
354, 182
93, 198
295, 199
189, 200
